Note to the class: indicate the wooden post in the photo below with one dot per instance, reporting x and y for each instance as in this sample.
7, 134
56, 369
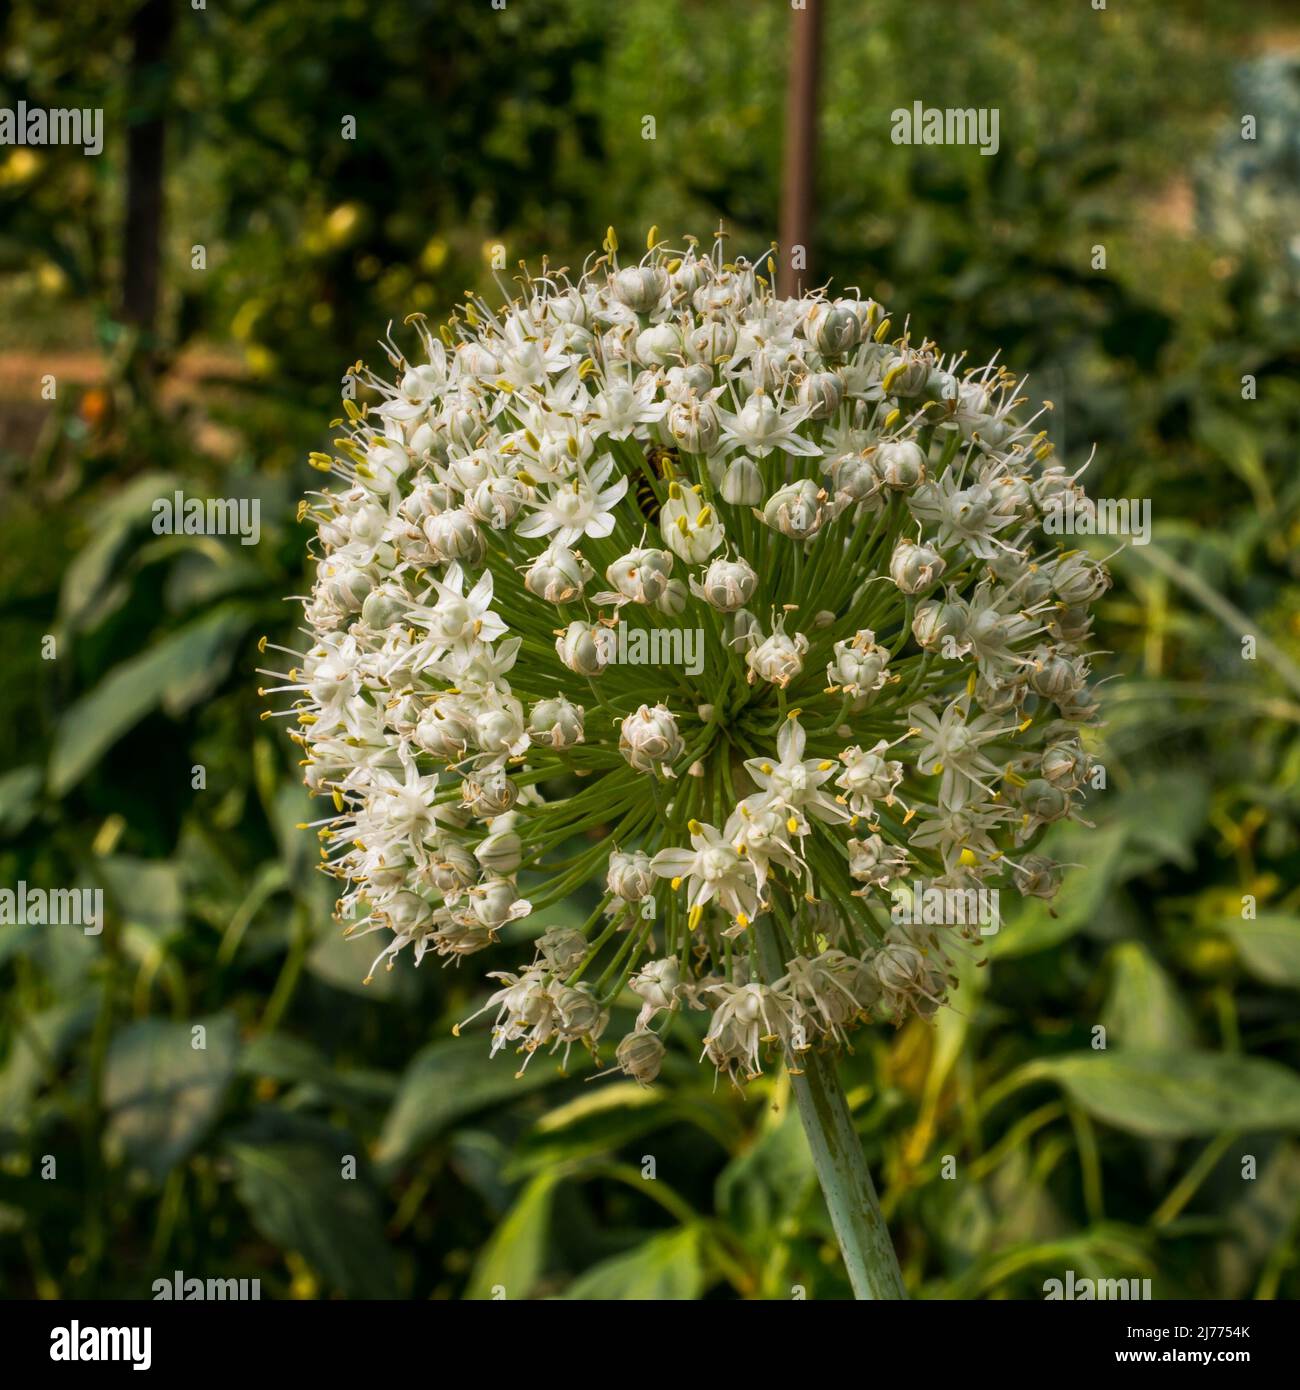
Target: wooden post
798, 176
151, 28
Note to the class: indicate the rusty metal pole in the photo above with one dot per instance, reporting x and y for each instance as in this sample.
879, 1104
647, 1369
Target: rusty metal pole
798, 175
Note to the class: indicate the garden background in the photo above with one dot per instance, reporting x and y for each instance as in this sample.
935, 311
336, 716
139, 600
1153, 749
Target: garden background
523, 128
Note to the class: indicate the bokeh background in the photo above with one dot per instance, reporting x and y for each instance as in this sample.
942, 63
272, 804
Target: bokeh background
1171, 1154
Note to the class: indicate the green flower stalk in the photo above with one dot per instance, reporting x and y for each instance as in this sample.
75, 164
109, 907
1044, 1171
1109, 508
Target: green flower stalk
740, 606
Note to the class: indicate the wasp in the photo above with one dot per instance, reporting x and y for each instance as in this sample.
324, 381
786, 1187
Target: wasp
663, 463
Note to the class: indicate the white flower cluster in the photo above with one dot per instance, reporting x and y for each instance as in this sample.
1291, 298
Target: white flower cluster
893, 677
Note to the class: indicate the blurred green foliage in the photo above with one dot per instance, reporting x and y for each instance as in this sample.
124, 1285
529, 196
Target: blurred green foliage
523, 128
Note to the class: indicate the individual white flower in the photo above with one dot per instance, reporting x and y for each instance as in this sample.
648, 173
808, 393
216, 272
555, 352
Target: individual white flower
761, 426
873, 862
794, 781
711, 868
952, 744
778, 658
583, 506
458, 618
627, 402
655, 984
748, 1017
691, 529
858, 667
868, 777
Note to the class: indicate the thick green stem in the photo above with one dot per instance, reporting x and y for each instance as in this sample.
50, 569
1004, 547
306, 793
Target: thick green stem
837, 1154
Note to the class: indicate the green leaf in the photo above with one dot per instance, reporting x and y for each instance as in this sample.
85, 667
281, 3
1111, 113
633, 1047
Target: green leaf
515, 1256
665, 1267
88, 574
279, 1057
290, 1174
599, 1122
448, 1080
1143, 1009
39, 1043
146, 892
161, 1092
1269, 947
1173, 1095
343, 963
20, 798
1163, 816
174, 672
759, 1188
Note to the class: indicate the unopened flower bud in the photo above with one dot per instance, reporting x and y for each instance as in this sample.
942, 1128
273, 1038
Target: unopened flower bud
641, 575
649, 740
900, 463
674, 598
640, 1055
820, 394
555, 723
640, 287
742, 483
455, 535
726, 585
556, 575
500, 852
584, 647
796, 510
915, 568
695, 425
629, 875
562, 948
